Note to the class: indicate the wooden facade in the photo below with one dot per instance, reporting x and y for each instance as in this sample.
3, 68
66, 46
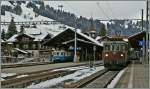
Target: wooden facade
26, 42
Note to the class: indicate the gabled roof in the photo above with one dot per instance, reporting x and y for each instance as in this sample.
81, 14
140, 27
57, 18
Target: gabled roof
89, 38
70, 32
20, 34
136, 34
13, 38
38, 37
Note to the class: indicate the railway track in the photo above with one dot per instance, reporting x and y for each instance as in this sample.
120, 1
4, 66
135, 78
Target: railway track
102, 81
3, 66
34, 77
38, 72
98, 80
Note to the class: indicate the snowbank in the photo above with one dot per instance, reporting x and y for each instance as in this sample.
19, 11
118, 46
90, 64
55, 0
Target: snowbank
78, 75
20, 76
3, 75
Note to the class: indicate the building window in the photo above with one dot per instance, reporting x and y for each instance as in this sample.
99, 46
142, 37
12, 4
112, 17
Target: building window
34, 46
17, 45
93, 35
26, 46
25, 39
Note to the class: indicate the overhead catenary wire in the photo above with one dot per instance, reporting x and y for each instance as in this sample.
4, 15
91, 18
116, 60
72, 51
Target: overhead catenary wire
107, 17
109, 7
75, 10
101, 9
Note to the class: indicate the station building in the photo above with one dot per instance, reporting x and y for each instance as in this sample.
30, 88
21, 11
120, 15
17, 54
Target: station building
87, 46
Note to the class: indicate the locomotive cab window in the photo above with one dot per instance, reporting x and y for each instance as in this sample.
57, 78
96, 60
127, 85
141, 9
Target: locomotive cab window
115, 47
107, 47
122, 47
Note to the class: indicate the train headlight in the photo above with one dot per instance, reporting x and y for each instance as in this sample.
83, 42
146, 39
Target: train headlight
106, 55
121, 55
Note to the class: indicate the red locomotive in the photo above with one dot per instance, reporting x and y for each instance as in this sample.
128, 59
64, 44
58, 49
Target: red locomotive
115, 53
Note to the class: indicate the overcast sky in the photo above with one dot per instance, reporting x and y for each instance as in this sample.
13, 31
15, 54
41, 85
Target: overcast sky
102, 9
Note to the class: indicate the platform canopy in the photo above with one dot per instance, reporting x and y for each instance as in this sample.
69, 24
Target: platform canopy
135, 39
67, 37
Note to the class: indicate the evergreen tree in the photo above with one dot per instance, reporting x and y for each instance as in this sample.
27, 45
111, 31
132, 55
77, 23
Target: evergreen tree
2, 12
17, 10
103, 30
22, 29
3, 34
11, 29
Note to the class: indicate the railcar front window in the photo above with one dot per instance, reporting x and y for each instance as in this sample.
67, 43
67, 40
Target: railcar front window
115, 47
122, 47
107, 47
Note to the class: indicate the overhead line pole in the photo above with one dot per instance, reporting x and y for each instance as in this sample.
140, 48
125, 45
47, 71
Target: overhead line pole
147, 31
75, 43
143, 46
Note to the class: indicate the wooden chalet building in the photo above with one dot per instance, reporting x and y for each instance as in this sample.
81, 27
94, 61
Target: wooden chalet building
32, 43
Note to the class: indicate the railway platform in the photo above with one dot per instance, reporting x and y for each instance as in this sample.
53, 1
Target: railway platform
135, 76
36, 68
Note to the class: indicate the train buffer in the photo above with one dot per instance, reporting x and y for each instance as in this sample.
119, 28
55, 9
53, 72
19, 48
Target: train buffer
136, 76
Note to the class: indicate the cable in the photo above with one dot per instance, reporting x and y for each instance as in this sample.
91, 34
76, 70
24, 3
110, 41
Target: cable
72, 8
100, 8
110, 9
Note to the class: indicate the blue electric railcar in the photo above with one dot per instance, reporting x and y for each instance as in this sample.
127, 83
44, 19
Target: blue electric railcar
62, 56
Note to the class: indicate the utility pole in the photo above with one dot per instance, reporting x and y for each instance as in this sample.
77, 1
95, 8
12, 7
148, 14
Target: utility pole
60, 6
0, 32
75, 43
94, 49
143, 45
147, 31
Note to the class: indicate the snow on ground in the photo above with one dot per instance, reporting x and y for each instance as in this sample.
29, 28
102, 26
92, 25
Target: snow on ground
78, 75
6, 3
116, 79
8, 16
72, 68
105, 22
20, 76
3, 75
41, 18
27, 12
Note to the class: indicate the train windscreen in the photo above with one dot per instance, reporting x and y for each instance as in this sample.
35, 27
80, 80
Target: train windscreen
114, 47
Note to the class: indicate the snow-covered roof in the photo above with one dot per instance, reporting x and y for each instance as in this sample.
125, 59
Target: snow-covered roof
136, 34
91, 39
6, 3
38, 37
21, 50
13, 38
2, 40
83, 35
97, 38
